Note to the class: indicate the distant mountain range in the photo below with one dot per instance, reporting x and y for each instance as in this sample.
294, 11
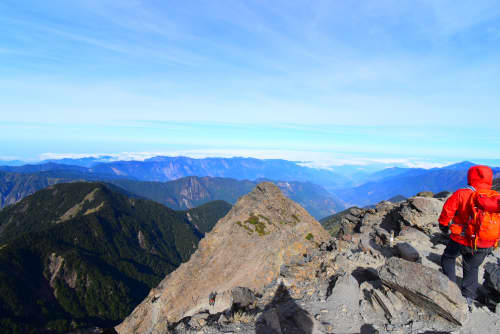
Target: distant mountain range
408, 182
171, 168
243, 173
181, 194
14, 186
83, 254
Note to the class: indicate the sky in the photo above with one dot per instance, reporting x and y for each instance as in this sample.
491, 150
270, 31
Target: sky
330, 82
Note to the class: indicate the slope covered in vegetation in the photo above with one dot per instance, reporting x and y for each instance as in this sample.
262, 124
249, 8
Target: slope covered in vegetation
81, 254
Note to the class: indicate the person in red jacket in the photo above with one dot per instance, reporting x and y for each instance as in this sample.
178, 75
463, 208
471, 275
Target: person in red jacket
458, 211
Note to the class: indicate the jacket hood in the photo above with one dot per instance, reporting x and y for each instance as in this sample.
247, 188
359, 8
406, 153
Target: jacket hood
480, 177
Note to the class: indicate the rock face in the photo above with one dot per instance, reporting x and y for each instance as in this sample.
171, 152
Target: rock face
421, 212
343, 305
492, 276
425, 287
263, 232
290, 277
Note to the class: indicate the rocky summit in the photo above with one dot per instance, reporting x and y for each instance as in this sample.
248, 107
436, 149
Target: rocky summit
262, 234
268, 267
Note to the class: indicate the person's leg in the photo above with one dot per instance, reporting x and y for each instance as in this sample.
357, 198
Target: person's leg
450, 254
471, 263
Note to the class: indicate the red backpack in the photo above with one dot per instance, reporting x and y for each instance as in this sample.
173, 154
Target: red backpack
484, 224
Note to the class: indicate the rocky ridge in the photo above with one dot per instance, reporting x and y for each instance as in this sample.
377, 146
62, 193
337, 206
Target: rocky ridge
380, 274
263, 232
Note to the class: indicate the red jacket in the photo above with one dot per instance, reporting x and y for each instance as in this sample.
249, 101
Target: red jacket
457, 207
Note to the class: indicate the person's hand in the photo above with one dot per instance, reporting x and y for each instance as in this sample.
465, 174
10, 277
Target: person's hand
444, 229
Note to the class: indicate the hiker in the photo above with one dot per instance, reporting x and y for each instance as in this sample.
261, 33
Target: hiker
463, 240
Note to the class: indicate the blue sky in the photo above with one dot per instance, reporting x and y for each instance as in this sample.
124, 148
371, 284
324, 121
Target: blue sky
327, 81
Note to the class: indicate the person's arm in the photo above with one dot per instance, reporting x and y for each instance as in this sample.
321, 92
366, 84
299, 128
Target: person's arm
449, 210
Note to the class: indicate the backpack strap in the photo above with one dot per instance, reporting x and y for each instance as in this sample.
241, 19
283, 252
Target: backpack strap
472, 206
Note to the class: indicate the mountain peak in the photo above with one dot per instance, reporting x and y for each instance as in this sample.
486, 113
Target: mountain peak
263, 231
461, 165
266, 190
267, 187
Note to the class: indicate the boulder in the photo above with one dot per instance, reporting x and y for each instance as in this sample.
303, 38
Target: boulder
407, 252
420, 212
242, 297
425, 287
198, 320
384, 206
343, 306
492, 276
425, 194
413, 235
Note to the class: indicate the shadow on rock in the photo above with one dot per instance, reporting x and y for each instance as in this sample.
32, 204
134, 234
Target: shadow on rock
368, 329
283, 315
362, 274
434, 257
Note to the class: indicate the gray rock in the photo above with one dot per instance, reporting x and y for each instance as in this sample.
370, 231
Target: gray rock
223, 319
407, 252
492, 276
411, 233
386, 304
372, 312
352, 218
307, 324
384, 206
421, 212
425, 287
272, 320
425, 194
180, 328
242, 297
198, 320
355, 211
343, 305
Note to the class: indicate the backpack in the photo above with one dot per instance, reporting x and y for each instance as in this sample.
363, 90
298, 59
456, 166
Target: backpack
484, 223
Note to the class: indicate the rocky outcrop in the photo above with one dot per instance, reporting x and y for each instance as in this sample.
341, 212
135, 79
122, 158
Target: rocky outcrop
263, 232
420, 212
432, 290
380, 274
343, 306
492, 276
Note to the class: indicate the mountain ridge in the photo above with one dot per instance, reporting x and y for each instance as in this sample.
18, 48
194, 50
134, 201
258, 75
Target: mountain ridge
263, 231
180, 194
81, 254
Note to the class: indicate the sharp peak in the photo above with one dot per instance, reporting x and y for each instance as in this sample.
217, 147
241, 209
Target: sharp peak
266, 188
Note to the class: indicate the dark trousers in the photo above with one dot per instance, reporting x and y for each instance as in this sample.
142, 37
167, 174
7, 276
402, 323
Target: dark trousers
471, 260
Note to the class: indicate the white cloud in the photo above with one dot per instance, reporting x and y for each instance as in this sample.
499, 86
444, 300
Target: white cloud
321, 160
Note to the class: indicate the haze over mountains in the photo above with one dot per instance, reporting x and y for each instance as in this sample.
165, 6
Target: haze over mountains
408, 182
322, 192
184, 193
